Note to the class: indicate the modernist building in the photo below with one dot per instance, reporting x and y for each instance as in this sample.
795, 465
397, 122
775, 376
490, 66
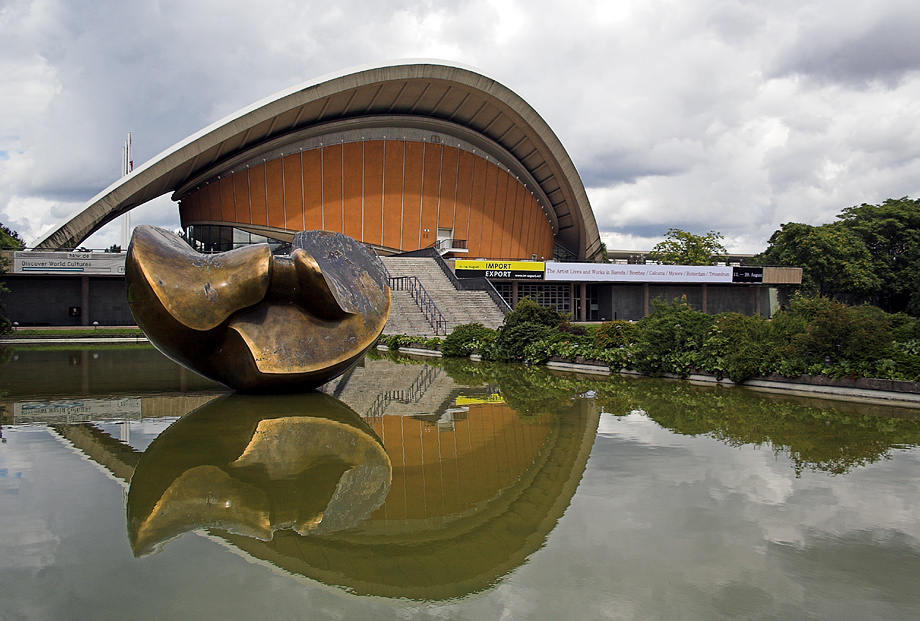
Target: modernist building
401, 157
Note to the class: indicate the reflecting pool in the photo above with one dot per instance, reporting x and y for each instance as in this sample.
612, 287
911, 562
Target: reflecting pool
444, 489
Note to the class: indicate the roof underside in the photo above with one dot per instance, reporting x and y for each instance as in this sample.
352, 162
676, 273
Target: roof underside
448, 93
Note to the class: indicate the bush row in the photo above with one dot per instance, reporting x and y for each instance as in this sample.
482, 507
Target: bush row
812, 336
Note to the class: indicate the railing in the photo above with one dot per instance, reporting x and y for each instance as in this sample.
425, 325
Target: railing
425, 302
463, 284
413, 395
450, 244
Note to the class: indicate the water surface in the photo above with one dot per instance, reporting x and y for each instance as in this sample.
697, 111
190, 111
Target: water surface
409, 489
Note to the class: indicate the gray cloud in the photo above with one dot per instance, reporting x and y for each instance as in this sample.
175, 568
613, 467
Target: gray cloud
720, 115
883, 49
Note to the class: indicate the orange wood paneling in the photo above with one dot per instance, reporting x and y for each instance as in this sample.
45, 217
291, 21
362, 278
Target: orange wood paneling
312, 190
394, 153
414, 473
547, 240
489, 224
412, 195
241, 197
448, 192
531, 213
257, 194
499, 233
274, 180
332, 188
510, 203
373, 192
353, 194
477, 206
293, 192
431, 191
464, 195
514, 249
227, 210
213, 190
190, 208
450, 472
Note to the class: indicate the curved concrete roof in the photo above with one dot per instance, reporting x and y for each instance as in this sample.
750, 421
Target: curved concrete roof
449, 93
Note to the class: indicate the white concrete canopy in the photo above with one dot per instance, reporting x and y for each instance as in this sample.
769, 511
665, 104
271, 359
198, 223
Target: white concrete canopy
415, 88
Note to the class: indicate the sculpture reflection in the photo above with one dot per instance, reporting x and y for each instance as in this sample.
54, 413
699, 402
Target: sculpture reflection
461, 496
253, 466
254, 321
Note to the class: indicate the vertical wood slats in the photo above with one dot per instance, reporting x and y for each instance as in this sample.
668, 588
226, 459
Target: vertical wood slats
392, 193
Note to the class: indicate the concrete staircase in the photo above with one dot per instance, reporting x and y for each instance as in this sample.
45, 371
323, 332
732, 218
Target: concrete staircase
458, 307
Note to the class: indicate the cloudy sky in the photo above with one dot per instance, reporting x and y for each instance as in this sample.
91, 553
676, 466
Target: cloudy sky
726, 115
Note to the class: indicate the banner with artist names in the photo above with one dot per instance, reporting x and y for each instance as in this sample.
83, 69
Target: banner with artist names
512, 270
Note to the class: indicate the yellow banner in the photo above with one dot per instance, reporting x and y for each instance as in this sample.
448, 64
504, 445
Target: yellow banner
493, 398
516, 266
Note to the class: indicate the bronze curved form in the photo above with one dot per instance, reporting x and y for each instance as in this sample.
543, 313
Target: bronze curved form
254, 321
254, 465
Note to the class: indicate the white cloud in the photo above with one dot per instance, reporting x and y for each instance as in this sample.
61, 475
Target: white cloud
705, 114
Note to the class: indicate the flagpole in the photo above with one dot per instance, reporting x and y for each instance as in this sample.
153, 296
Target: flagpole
127, 165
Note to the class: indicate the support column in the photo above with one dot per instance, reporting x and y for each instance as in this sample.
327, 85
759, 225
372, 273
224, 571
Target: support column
514, 294
572, 300
583, 315
757, 296
84, 300
645, 305
705, 299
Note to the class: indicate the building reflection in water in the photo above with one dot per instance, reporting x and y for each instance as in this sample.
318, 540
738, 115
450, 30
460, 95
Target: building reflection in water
472, 488
399, 482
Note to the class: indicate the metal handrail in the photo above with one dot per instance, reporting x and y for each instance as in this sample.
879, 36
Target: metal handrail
413, 395
450, 243
425, 302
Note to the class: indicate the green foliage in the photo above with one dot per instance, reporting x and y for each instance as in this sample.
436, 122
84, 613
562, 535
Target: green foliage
10, 239
671, 336
513, 340
891, 233
833, 258
736, 346
464, 339
397, 341
836, 332
683, 248
528, 311
814, 335
615, 334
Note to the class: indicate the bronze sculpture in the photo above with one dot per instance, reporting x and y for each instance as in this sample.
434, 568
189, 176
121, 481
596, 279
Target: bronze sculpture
254, 321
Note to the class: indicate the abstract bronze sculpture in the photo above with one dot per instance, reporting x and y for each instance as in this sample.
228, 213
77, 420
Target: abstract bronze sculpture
254, 321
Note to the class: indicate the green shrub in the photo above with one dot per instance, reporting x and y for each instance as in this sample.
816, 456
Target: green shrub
513, 340
836, 332
670, 339
464, 339
528, 311
615, 334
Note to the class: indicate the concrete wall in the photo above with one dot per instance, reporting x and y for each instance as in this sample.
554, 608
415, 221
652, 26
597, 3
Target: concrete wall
627, 301
47, 300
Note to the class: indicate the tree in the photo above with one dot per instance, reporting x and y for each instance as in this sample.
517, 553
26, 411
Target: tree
891, 234
683, 248
833, 258
9, 240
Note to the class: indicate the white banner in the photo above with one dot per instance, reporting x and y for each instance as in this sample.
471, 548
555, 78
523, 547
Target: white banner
76, 410
78, 263
615, 272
